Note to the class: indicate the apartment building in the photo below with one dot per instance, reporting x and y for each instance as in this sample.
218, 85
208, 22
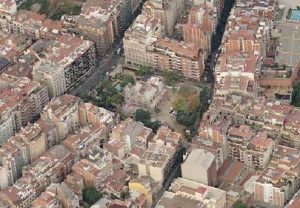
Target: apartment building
13, 158
88, 136
34, 140
146, 186
246, 34
200, 27
188, 193
63, 113
118, 148
7, 122
264, 8
51, 30
91, 114
27, 23
50, 130
200, 166
47, 199
52, 167
214, 127
237, 73
259, 151
24, 97
21, 196
166, 136
167, 11
96, 168
278, 183
103, 21
157, 161
75, 183
8, 8
238, 140
179, 57
253, 149
132, 133
67, 60
139, 39
57, 195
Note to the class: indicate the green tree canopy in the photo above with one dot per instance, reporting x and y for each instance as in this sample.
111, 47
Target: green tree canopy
142, 115
91, 195
239, 204
145, 117
296, 96
126, 80
144, 70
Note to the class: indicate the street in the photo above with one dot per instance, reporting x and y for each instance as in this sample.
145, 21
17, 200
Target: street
91, 80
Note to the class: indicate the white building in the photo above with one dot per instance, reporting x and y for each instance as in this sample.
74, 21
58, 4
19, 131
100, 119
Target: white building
200, 166
6, 122
145, 94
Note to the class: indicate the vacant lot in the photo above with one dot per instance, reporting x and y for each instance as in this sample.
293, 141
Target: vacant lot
53, 9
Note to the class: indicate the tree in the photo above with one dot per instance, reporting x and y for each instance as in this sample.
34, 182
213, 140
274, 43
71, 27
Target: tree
144, 70
154, 125
180, 104
192, 103
91, 195
187, 119
117, 99
142, 115
170, 78
126, 80
296, 96
145, 117
239, 204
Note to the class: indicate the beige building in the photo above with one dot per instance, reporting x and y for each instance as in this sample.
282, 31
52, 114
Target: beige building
188, 193
200, 166
51, 75
255, 150
91, 114
144, 45
24, 97
63, 112
81, 142
97, 166
102, 21
259, 151
157, 161
167, 11
67, 60
139, 39
64, 194
34, 139
278, 183
179, 57
8, 8
200, 27
130, 134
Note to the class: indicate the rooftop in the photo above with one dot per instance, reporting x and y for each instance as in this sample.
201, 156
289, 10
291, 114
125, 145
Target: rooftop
200, 158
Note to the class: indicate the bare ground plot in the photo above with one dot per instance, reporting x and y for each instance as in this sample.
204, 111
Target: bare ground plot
164, 115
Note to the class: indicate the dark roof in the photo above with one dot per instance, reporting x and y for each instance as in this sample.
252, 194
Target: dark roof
4, 63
